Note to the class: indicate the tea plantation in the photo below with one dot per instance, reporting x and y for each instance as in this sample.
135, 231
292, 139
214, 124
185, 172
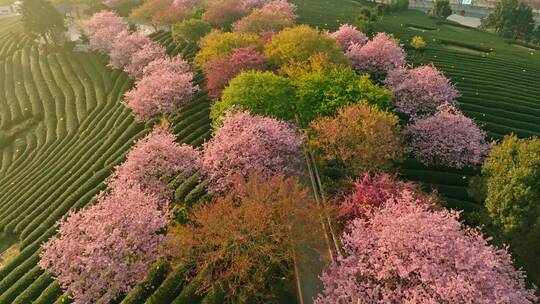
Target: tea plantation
61, 134
63, 129
498, 80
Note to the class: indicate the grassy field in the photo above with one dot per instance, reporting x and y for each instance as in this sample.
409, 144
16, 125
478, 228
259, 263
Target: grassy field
498, 80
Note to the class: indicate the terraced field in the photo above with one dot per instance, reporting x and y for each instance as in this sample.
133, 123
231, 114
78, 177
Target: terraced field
62, 130
499, 81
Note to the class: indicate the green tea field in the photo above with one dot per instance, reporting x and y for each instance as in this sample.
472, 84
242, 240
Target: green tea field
63, 129
62, 133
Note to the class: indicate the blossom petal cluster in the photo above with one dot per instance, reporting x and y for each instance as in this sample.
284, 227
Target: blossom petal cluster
420, 91
433, 259
107, 248
348, 35
141, 58
283, 7
372, 192
102, 30
126, 44
380, 55
163, 83
187, 4
263, 21
159, 93
220, 71
253, 4
447, 138
175, 65
153, 158
248, 143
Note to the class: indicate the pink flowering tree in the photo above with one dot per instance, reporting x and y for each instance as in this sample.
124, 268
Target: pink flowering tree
105, 249
263, 21
141, 58
249, 5
187, 4
378, 56
224, 13
248, 143
220, 71
103, 28
369, 193
125, 46
447, 138
111, 3
348, 35
152, 161
406, 252
160, 93
283, 7
175, 65
420, 91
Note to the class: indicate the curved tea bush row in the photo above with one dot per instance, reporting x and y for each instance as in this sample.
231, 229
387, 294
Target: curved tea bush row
75, 132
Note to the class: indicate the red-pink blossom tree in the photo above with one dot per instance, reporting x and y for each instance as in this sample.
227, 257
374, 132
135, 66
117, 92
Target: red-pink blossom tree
160, 93
249, 5
248, 143
406, 252
224, 13
348, 35
152, 160
420, 91
372, 192
220, 71
263, 21
141, 58
447, 138
379, 56
105, 249
187, 4
283, 7
102, 29
176, 65
125, 45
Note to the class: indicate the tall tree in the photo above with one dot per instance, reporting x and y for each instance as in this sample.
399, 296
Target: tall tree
511, 19
441, 9
41, 20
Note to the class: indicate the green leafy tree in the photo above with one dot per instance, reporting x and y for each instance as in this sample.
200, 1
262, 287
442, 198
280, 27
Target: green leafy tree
298, 44
323, 93
512, 175
365, 21
190, 31
218, 44
536, 35
511, 19
42, 20
441, 9
263, 93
